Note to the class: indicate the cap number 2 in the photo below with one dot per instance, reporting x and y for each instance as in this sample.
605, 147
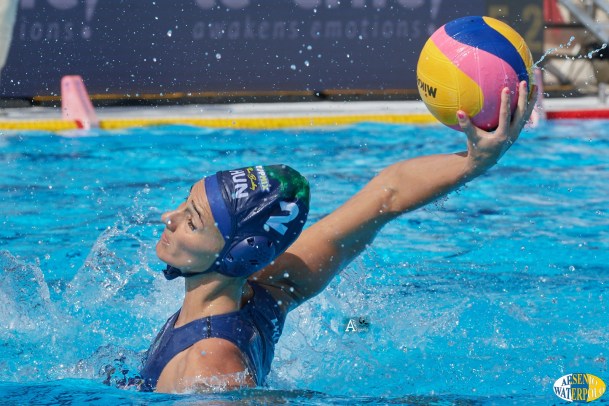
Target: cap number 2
278, 223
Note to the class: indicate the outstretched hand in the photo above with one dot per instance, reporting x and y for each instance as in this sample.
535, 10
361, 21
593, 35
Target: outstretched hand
484, 148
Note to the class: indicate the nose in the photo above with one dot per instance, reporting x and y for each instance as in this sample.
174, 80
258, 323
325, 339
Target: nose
170, 219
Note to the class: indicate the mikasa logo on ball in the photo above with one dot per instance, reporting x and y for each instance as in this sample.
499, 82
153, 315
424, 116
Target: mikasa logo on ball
426, 89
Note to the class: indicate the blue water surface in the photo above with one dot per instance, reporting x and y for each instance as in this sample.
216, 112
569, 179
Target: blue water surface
485, 297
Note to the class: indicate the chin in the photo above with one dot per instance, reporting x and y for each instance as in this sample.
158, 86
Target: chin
160, 252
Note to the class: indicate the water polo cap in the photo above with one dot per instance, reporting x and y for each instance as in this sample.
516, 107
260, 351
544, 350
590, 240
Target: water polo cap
260, 211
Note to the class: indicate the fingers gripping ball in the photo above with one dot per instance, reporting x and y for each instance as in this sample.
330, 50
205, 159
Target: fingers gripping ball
465, 64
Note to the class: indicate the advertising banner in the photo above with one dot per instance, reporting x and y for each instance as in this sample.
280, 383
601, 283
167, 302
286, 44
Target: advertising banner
136, 47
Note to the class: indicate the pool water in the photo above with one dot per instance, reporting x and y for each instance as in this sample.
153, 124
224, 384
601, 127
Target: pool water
485, 297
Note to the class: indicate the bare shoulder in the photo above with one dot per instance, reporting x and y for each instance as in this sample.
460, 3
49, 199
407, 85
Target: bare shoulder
214, 353
209, 364
214, 363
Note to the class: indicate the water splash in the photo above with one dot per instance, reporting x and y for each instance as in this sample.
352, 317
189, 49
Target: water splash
103, 272
25, 300
100, 317
31, 322
552, 50
594, 51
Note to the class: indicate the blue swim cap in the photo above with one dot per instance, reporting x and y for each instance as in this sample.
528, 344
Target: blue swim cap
260, 211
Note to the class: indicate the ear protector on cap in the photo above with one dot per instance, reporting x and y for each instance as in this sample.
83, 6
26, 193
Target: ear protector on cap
247, 256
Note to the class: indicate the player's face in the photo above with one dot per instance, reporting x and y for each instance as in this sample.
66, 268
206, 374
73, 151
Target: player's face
190, 241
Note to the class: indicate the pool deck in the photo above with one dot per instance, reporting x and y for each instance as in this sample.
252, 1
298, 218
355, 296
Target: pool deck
271, 115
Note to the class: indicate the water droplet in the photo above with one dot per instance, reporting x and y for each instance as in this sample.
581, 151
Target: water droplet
169, 33
218, 56
86, 32
571, 268
306, 63
293, 67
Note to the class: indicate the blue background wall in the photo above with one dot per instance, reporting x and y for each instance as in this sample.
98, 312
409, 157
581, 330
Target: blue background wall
135, 47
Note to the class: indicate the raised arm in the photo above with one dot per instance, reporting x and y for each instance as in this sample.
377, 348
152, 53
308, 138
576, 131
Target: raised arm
326, 247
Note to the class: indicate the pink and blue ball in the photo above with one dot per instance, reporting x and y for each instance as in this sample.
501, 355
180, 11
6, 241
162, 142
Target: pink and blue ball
465, 64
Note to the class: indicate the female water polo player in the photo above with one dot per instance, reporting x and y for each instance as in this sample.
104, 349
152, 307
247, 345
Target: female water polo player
236, 240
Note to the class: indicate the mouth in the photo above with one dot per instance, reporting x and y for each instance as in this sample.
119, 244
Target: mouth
164, 238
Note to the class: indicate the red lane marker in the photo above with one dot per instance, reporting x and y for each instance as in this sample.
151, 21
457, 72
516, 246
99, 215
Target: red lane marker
578, 114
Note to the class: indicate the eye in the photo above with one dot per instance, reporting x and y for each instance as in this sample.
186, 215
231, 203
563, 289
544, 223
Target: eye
191, 225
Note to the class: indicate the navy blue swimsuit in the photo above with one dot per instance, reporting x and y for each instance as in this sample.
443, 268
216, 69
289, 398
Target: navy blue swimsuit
254, 329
